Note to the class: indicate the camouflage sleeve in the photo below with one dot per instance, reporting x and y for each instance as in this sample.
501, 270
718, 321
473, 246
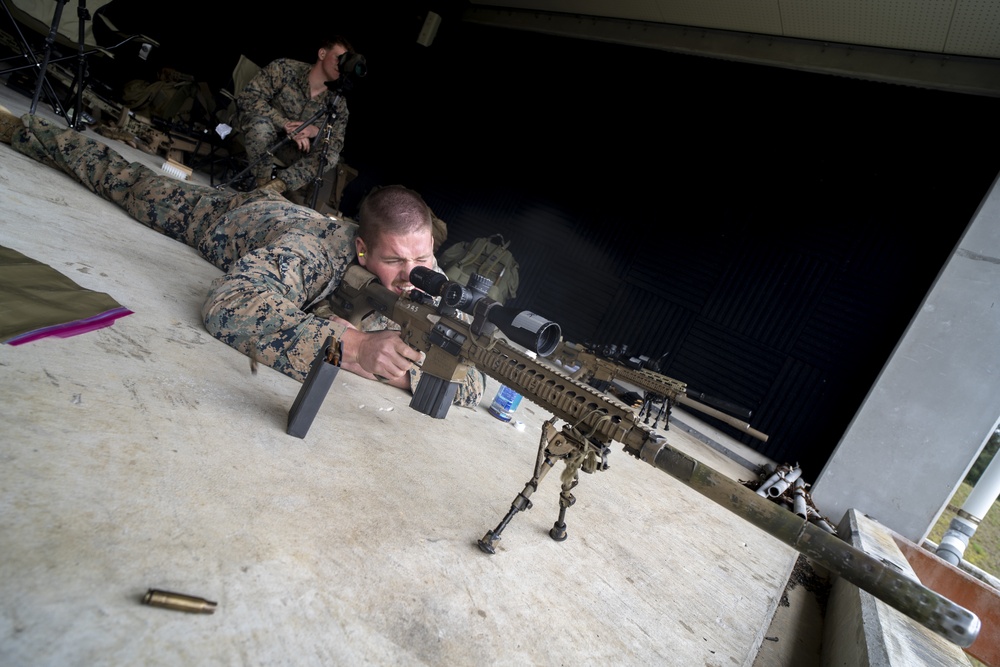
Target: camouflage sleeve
256, 307
255, 98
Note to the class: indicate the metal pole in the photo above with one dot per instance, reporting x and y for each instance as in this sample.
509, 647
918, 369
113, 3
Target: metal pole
963, 526
81, 65
49, 40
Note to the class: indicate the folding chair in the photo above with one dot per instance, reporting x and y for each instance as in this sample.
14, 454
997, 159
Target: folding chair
234, 160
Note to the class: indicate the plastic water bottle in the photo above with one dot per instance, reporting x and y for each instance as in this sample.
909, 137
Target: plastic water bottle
505, 403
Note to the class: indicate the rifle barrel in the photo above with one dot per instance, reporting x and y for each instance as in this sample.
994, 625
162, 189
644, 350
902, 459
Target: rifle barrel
871, 574
608, 419
725, 406
684, 399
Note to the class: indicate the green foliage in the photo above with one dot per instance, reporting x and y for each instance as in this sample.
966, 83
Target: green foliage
984, 546
977, 469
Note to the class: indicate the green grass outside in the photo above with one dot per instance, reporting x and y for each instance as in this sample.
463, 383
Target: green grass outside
982, 550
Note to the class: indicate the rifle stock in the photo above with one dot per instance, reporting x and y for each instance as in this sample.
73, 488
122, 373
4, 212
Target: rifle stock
594, 419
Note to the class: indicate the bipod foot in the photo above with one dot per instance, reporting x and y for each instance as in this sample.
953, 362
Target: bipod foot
558, 531
487, 542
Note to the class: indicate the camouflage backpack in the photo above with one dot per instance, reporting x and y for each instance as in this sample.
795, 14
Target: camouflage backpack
175, 97
489, 256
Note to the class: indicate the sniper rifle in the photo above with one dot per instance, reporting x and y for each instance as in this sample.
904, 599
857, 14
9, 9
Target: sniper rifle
593, 420
600, 372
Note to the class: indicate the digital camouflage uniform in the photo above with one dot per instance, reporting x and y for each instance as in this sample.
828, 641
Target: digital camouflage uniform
279, 94
278, 257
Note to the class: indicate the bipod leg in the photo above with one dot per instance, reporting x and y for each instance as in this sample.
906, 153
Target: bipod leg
566, 500
487, 543
662, 415
647, 408
581, 453
543, 464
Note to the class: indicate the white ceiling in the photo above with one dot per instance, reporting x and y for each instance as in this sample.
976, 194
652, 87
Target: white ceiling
942, 44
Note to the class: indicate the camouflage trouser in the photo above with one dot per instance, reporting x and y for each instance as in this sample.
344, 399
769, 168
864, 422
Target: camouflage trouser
259, 134
184, 212
277, 256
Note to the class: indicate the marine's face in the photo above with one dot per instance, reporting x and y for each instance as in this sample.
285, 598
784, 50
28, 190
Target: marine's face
393, 256
328, 61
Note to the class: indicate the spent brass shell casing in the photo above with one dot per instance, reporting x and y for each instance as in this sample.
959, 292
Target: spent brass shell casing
178, 602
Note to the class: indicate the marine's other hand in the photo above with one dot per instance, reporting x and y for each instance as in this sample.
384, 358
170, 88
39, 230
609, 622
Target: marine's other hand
380, 354
304, 136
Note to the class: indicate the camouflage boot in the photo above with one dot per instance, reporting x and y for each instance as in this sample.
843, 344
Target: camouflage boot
272, 185
8, 123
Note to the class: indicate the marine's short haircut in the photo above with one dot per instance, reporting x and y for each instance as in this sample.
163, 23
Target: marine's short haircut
394, 210
334, 40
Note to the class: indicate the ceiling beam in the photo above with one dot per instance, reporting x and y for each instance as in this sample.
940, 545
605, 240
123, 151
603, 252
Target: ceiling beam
962, 74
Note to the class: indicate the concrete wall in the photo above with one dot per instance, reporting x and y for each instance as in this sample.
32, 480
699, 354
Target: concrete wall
861, 630
935, 403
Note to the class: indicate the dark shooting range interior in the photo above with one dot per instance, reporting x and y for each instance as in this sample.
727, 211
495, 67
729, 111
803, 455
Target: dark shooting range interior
789, 209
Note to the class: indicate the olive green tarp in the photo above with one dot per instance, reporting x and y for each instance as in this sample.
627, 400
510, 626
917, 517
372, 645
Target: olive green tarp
37, 301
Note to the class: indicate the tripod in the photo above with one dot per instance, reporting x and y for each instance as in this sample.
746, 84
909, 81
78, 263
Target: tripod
42, 66
329, 110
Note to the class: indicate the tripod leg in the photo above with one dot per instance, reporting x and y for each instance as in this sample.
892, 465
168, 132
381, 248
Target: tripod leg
321, 167
246, 170
49, 41
81, 66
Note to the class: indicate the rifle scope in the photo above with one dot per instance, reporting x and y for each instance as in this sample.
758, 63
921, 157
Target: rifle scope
520, 326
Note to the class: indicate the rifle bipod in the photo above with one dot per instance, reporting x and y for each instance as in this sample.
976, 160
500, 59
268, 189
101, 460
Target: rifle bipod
579, 451
662, 416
